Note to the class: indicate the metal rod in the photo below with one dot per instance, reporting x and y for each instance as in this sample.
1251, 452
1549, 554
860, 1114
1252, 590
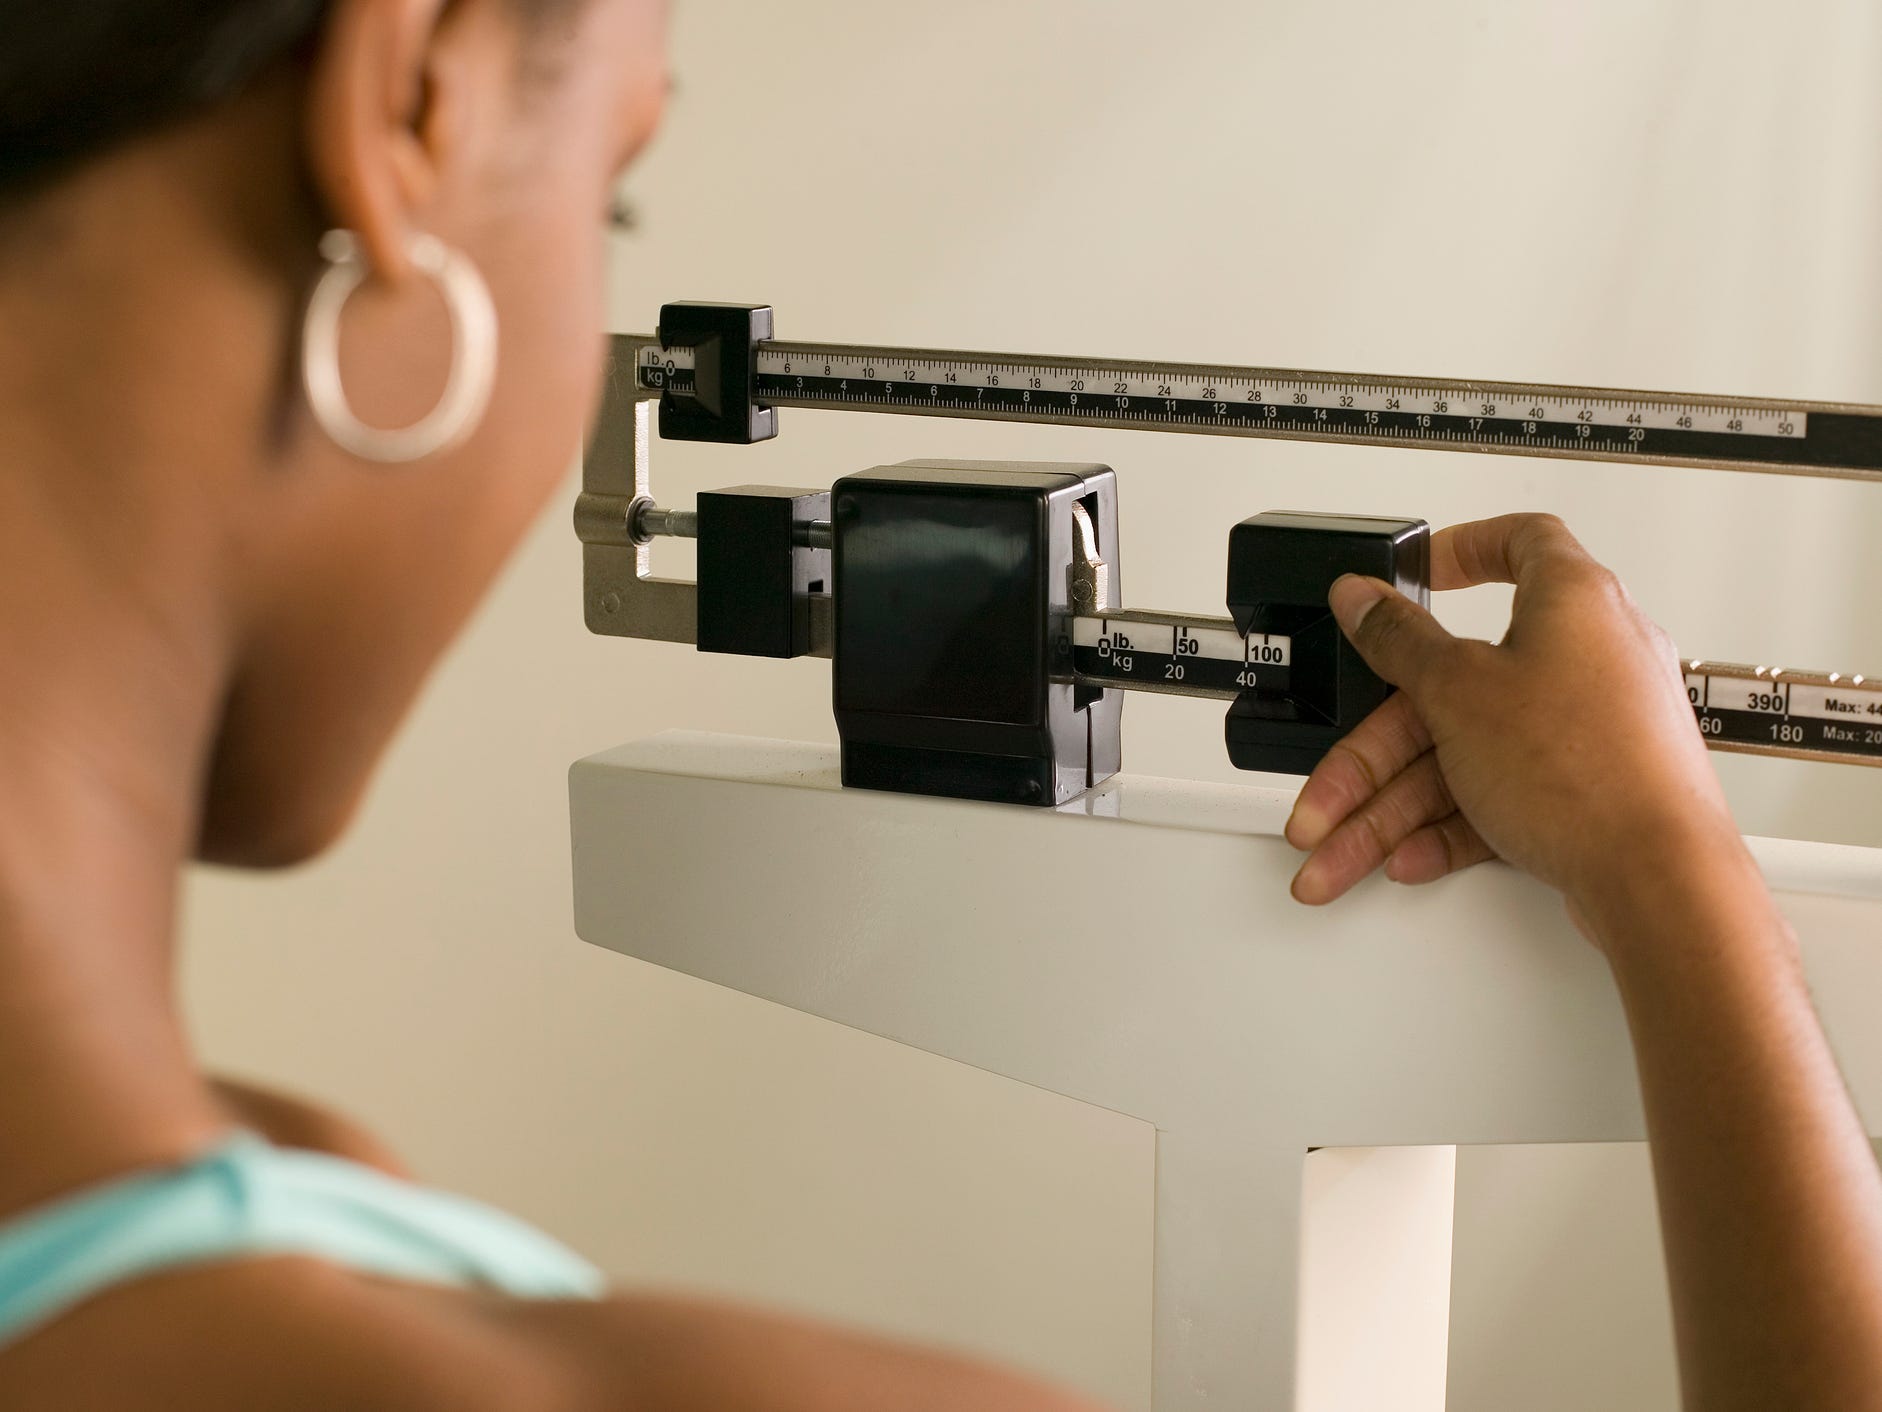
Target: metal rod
652, 522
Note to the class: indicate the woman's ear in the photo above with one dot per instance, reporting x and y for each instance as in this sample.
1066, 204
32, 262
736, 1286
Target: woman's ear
393, 95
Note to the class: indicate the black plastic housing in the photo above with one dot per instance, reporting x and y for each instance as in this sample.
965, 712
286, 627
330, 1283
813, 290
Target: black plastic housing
952, 617
1281, 565
724, 339
755, 579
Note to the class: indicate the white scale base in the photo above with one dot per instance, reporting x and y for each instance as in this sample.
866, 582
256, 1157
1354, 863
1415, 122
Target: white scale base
1137, 949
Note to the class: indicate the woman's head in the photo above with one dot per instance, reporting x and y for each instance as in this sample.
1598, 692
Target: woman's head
196, 151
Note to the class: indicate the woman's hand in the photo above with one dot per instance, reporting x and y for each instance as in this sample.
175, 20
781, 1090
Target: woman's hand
1568, 749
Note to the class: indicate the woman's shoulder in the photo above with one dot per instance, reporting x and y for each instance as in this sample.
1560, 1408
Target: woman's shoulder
285, 1332
294, 1333
265, 1331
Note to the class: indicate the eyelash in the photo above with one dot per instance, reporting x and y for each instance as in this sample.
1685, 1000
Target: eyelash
623, 215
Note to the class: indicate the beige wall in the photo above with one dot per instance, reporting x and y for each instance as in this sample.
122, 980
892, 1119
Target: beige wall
1658, 193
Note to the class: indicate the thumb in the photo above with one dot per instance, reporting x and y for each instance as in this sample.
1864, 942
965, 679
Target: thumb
1399, 640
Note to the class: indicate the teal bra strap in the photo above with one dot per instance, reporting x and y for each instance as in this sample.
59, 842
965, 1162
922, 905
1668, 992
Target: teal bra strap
248, 1198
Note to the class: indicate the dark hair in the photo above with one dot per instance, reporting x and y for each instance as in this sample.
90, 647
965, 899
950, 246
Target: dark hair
77, 76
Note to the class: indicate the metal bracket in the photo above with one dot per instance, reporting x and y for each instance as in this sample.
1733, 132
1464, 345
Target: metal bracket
616, 514
620, 595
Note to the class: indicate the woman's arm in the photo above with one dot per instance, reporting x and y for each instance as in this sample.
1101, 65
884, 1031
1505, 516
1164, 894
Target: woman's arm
1770, 1206
1570, 750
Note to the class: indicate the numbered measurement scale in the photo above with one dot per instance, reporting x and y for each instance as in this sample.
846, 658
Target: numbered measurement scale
954, 678
1515, 418
1813, 714
1189, 656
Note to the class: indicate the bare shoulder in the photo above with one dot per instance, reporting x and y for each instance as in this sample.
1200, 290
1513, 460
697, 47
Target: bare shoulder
681, 1355
293, 1334
280, 1334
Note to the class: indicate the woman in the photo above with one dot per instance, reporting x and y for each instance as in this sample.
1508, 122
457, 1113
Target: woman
251, 251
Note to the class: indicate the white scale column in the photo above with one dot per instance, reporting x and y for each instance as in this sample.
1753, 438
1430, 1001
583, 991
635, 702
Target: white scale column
1138, 950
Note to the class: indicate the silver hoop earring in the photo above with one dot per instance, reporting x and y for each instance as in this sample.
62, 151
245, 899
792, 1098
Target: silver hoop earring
473, 352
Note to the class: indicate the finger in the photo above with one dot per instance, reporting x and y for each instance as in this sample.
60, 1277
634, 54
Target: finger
1412, 799
1371, 753
1448, 846
1505, 549
1399, 640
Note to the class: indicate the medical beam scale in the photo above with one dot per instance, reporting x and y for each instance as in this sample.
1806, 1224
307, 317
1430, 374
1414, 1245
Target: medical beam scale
973, 610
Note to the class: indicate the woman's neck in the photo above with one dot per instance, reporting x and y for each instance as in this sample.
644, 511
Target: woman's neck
95, 1074
102, 724
115, 516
